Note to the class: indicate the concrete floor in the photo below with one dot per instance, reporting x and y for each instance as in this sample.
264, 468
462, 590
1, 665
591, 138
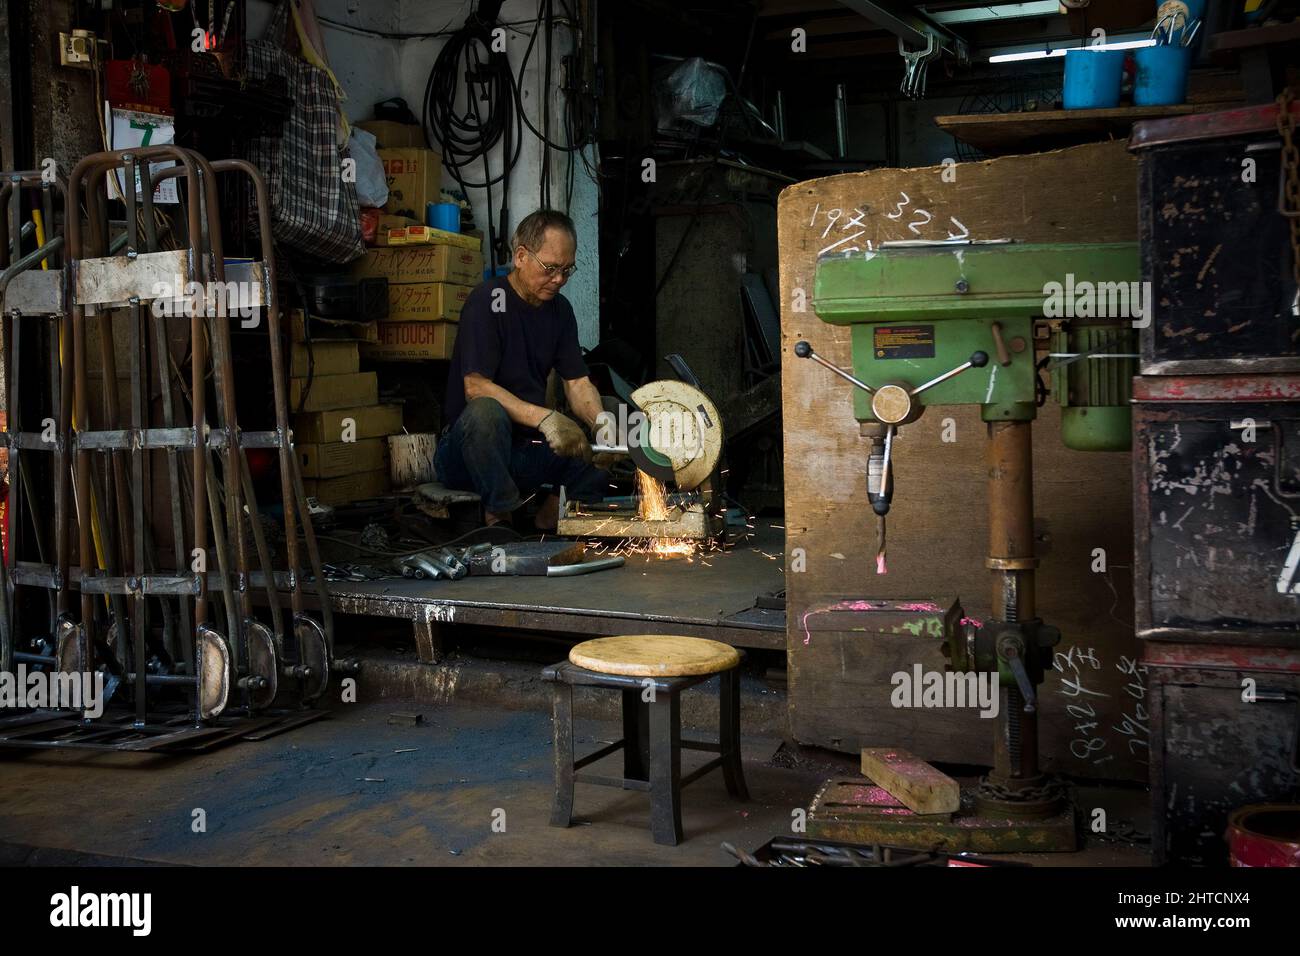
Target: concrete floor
341, 791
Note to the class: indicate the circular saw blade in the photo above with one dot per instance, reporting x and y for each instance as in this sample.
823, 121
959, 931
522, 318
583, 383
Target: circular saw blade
649, 461
682, 436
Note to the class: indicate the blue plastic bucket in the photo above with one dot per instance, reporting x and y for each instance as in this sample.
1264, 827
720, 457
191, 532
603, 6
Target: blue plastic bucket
443, 215
1161, 75
1092, 78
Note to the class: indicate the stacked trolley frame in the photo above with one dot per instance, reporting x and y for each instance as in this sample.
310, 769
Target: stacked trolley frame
152, 629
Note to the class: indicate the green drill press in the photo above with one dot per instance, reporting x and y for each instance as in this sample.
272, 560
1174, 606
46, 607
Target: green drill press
954, 324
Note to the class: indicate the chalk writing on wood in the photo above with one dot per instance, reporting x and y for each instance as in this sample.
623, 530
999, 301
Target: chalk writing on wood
1074, 665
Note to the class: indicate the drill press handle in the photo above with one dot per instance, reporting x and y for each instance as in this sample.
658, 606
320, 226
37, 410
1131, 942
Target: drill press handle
1010, 650
977, 360
805, 350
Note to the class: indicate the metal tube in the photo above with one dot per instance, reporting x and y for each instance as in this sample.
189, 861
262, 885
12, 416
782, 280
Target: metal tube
1011, 538
583, 567
26, 262
841, 122
117, 509
227, 412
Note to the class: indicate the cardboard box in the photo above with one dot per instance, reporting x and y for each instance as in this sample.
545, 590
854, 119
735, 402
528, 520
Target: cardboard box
417, 235
335, 459
414, 180
328, 330
436, 263
348, 488
387, 222
335, 391
390, 135
425, 302
370, 421
407, 341
324, 358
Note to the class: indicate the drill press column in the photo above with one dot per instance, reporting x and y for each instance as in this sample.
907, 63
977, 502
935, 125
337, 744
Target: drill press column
1012, 561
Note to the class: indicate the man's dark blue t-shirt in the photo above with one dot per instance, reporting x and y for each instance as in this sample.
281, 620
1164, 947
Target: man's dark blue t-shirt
515, 347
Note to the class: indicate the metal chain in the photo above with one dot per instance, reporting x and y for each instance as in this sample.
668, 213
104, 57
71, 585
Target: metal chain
1049, 790
1291, 174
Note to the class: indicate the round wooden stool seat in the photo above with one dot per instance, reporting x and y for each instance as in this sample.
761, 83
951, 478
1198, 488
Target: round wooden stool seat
654, 655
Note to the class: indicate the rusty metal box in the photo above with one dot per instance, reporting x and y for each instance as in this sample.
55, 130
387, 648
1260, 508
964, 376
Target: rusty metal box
1216, 248
1223, 734
1216, 476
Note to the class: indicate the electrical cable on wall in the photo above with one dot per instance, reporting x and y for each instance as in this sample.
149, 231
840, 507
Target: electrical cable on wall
493, 113
466, 136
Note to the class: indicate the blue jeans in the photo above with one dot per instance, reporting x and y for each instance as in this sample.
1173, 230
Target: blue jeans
482, 453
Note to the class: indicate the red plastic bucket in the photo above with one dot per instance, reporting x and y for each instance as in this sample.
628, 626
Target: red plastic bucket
1265, 834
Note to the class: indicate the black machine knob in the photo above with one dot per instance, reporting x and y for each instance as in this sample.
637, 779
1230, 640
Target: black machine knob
979, 359
805, 350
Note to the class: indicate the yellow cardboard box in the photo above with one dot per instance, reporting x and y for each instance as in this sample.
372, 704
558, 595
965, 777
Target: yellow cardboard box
348, 488
437, 263
335, 459
324, 358
369, 421
334, 391
417, 235
425, 302
390, 135
408, 341
414, 179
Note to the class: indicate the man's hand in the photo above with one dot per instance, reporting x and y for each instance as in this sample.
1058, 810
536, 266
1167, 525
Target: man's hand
565, 437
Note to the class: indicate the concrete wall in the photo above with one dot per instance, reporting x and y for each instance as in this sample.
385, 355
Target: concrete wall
416, 58
366, 65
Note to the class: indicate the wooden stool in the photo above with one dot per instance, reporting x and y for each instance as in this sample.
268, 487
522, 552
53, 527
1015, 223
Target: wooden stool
652, 741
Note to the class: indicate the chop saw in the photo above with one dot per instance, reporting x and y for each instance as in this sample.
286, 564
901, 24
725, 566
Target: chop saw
672, 432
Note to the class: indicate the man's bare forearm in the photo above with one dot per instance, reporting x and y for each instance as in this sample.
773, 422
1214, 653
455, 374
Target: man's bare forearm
584, 399
520, 412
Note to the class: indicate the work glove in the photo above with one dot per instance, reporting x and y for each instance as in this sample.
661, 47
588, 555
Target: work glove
565, 437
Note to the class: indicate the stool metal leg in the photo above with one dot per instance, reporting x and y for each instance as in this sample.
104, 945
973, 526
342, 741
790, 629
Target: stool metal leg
666, 769
729, 733
562, 710
636, 736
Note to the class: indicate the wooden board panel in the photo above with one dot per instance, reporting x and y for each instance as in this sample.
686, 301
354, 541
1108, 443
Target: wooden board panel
916, 784
1093, 709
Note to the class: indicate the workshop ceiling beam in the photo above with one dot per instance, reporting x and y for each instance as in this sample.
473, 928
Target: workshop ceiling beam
910, 26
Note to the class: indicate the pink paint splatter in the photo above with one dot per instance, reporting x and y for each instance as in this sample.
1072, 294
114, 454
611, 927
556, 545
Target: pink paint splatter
880, 564
851, 605
857, 606
807, 635
919, 606
972, 620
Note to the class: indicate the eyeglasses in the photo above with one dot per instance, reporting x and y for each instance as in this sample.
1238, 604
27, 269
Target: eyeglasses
552, 271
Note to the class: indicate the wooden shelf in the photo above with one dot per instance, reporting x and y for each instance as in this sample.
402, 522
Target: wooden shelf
1257, 36
1002, 133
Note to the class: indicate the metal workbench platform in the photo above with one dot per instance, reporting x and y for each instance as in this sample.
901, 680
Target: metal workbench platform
713, 596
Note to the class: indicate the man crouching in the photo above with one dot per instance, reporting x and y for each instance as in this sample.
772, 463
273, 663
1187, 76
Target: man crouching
502, 441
